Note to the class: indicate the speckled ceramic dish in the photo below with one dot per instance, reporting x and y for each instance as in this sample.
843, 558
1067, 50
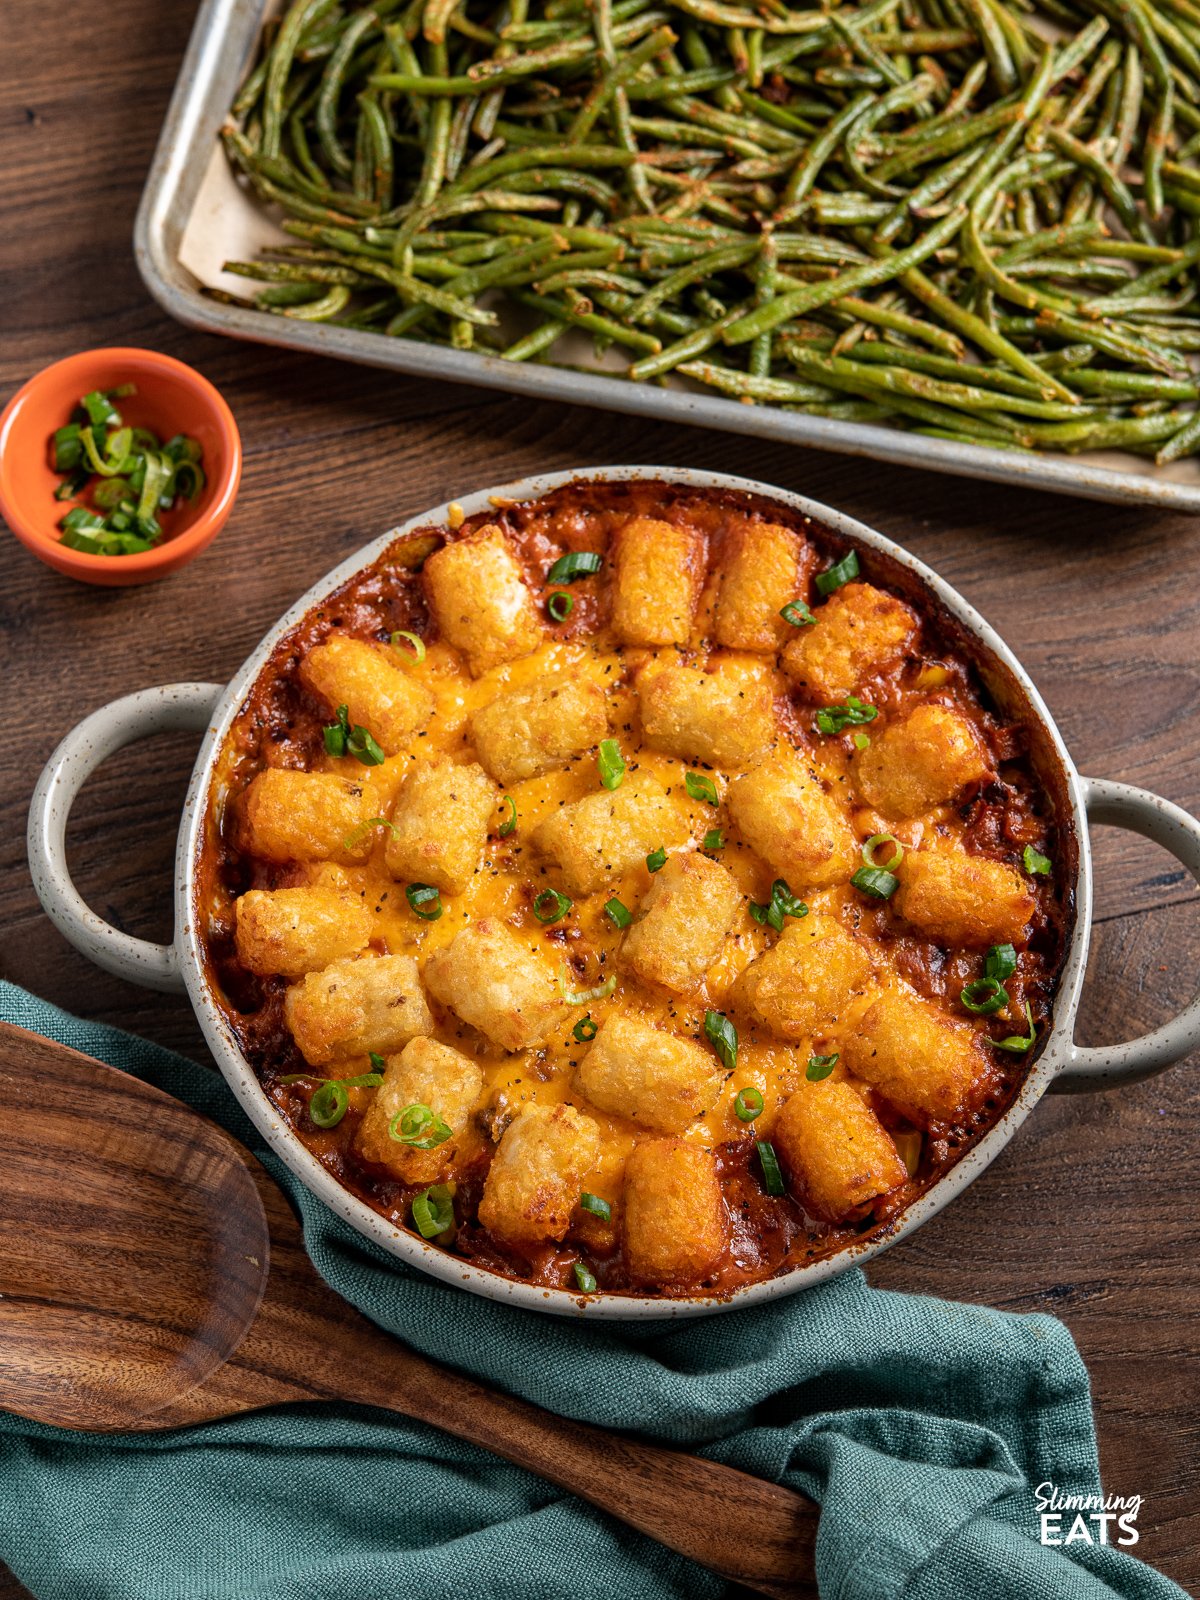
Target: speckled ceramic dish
1060, 1064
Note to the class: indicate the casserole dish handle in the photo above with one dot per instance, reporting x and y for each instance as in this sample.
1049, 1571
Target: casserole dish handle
1122, 806
173, 708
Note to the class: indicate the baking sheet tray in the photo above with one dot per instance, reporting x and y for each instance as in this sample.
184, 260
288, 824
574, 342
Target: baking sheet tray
193, 217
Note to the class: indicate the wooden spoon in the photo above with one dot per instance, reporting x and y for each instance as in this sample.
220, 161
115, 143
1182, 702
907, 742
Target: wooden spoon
154, 1276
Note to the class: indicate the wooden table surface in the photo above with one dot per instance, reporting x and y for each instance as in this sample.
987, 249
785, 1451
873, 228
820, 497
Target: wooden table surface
1093, 1213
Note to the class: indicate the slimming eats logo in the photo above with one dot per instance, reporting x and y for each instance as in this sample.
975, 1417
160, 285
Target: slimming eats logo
1087, 1518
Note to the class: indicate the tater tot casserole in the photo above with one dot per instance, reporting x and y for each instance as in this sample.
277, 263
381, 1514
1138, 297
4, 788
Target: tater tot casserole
634, 889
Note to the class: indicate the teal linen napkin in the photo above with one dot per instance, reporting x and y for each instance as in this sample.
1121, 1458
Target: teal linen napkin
921, 1426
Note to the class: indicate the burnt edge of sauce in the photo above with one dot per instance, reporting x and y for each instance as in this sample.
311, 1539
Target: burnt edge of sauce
769, 1235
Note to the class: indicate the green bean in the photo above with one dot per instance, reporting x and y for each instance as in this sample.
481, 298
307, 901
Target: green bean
1184, 442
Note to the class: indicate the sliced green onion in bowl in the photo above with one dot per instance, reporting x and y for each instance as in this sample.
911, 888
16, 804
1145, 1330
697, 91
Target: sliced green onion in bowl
723, 1037
584, 1031
873, 844
840, 573
657, 859
413, 639
1035, 864
364, 831
1000, 963
362, 746
749, 1105
425, 901
984, 996
783, 903
551, 906
880, 885
574, 565
560, 606
714, 839
329, 1104
820, 1067
836, 719
610, 763
772, 1173
596, 1206
510, 822
1017, 1044
581, 997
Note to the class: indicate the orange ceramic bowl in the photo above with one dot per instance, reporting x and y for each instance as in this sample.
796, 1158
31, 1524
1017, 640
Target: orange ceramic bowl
171, 398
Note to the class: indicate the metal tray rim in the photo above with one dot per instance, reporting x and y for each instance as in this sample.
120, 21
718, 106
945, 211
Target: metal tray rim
222, 36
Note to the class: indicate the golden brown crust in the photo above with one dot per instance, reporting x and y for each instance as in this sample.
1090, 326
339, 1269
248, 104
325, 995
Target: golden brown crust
658, 568
765, 568
836, 1151
675, 1223
654, 1078
535, 1178
685, 918
857, 631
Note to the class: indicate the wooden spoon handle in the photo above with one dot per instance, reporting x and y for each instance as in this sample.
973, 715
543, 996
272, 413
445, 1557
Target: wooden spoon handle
750, 1531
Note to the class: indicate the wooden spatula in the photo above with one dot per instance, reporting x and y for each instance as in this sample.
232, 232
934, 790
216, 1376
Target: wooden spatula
154, 1276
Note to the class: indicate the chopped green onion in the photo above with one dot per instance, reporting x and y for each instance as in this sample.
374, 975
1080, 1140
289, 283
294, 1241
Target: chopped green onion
701, 788
584, 1031
836, 719
722, 1035
984, 996
611, 764
748, 1105
797, 613
1001, 962
820, 1067
363, 748
414, 639
841, 572
574, 565
657, 859
714, 839
1017, 1044
425, 900
585, 1278
1035, 864
550, 906
329, 1104
560, 606
873, 843
862, 741
364, 830
772, 1176
783, 903
580, 997
510, 822
598, 1207
337, 733
68, 447
376, 1061
433, 1211
418, 1127
620, 914
876, 882
100, 409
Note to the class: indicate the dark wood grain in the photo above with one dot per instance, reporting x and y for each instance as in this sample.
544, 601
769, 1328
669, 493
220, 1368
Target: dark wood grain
1093, 1212
119, 1323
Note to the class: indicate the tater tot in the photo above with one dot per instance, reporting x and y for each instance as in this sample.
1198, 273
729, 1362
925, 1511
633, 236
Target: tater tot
353, 1007
784, 814
858, 630
924, 761
836, 1151
658, 571
654, 1078
500, 984
375, 691
440, 823
530, 731
765, 567
533, 1183
593, 840
928, 1064
480, 600
961, 899
675, 1224
304, 816
686, 915
289, 932
429, 1074
803, 984
724, 717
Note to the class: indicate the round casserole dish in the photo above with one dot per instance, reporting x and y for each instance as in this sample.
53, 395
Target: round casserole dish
1060, 1063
